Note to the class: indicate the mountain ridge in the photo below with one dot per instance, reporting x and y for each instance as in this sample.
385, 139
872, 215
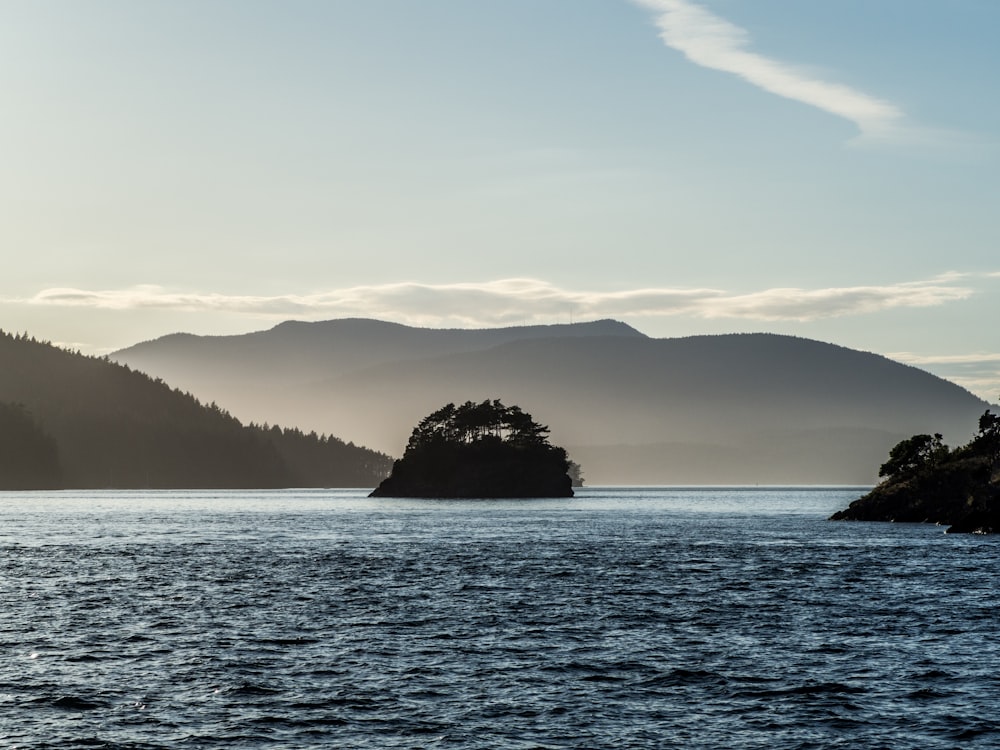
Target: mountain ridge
750, 396
326, 346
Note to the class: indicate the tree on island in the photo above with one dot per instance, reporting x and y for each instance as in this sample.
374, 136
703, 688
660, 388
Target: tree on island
484, 450
927, 482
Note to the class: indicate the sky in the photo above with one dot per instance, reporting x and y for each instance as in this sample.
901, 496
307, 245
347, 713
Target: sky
826, 170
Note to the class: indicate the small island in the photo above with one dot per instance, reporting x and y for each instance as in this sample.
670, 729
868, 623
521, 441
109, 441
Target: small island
927, 482
485, 450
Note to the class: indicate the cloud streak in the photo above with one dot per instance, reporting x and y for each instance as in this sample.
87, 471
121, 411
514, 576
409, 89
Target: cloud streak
978, 372
945, 359
516, 301
713, 42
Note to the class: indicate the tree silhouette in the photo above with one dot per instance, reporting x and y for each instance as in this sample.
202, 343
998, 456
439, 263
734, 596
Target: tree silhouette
987, 442
472, 422
913, 455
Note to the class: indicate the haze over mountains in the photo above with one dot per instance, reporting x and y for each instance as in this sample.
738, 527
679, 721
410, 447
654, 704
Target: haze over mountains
742, 408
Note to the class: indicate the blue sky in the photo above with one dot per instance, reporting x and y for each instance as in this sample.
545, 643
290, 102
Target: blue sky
829, 170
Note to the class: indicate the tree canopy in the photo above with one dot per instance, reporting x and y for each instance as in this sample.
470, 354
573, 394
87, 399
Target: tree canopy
913, 455
472, 422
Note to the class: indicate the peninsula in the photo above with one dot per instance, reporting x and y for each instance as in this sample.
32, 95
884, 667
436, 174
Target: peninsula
927, 482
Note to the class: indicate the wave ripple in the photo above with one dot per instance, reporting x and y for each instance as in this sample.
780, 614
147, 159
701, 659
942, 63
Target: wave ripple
634, 623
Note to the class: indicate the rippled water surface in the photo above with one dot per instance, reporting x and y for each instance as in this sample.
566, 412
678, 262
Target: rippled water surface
733, 618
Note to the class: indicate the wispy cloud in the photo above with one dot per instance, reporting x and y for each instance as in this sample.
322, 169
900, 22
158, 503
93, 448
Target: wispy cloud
978, 372
813, 304
713, 42
945, 359
510, 301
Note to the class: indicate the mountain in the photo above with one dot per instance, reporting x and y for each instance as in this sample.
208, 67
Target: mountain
72, 421
740, 408
298, 352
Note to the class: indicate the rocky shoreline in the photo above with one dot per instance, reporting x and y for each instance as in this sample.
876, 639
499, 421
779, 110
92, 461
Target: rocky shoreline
927, 482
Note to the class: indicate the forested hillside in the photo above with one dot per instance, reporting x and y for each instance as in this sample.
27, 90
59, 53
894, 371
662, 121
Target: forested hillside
67, 420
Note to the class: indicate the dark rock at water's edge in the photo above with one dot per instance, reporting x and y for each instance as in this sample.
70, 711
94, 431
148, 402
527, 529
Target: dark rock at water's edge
484, 450
927, 482
978, 522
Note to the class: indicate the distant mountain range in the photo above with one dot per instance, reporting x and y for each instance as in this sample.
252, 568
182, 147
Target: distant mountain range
741, 408
70, 421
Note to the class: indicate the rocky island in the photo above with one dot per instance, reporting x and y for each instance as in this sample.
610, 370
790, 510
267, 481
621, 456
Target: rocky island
927, 482
485, 450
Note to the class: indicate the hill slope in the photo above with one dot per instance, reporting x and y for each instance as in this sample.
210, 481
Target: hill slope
85, 422
631, 409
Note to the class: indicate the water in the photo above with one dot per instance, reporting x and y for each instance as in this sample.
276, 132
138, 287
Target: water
634, 618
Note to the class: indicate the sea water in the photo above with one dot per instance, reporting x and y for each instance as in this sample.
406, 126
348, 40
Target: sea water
625, 618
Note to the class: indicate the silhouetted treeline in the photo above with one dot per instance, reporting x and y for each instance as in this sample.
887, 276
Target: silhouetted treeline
69, 420
327, 461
